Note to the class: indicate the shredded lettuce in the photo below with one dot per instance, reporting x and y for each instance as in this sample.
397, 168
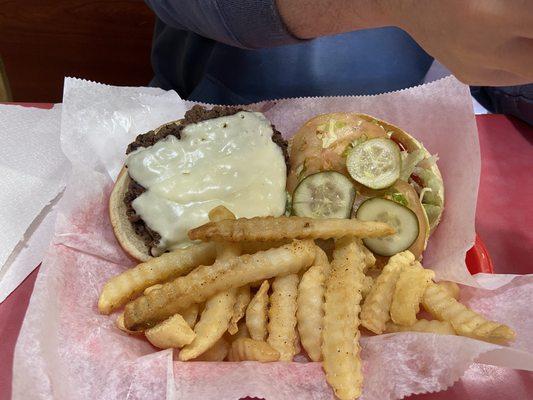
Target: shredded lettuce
433, 197
399, 198
409, 162
288, 204
326, 132
432, 212
355, 143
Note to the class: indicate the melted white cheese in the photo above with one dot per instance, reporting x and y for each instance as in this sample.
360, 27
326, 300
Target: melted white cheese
228, 161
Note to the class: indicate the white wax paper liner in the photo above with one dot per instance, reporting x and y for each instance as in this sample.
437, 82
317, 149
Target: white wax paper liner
67, 350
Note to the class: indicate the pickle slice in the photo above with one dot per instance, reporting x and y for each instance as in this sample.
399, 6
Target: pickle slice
326, 194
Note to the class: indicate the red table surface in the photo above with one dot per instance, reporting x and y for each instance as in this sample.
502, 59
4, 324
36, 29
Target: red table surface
503, 221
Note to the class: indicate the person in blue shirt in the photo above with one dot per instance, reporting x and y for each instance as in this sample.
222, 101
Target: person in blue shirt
244, 51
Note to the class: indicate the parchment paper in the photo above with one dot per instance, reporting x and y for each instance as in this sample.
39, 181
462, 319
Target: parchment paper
67, 350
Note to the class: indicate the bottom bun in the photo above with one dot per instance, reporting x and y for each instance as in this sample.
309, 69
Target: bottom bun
130, 242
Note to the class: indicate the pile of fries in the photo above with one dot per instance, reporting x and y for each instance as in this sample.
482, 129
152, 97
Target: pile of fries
254, 289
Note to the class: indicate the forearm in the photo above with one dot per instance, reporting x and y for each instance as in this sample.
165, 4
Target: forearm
308, 19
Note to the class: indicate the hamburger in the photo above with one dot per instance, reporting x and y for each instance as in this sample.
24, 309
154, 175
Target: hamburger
174, 175
353, 165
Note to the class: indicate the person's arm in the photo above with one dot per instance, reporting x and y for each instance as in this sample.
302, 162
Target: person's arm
483, 42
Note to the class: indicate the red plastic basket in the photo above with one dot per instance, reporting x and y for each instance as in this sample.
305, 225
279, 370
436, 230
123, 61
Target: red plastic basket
478, 259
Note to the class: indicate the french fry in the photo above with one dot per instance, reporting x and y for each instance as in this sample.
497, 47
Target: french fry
245, 349
241, 333
368, 281
124, 287
254, 247
171, 333
451, 288
212, 324
120, 325
340, 348
206, 281
465, 322
408, 294
257, 313
239, 309
153, 287
190, 314
375, 310
260, 229
282, 316
423, 325
217, 352
310, 311
218, 309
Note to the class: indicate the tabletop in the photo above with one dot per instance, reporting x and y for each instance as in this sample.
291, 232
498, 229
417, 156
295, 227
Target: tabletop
504, 194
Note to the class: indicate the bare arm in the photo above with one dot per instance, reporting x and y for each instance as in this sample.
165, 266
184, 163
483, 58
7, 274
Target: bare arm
483, 42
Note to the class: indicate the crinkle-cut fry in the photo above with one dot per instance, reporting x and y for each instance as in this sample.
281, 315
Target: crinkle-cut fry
212, 324
259, 229
129, 284
368, 281
206, 281
375, 310
218, 309
423, 325
153, 287
239, 309
217, 352
241, 333
257, 313
340, 348
451, 288
310, 311
282, 316
465, 321
254, 247
408, 294
174, 332
120, 325
245, 349
190, 314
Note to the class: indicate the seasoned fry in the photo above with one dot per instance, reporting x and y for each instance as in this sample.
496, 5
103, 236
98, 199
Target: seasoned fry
244, 349
254, 247
408, 294
153, 287
120, 325
451, 288
310, 311
465, 322
212, 324
375, 310
368, 281
217, 352
282, 316
261, 229
239, 309
190, 314
423, 325
257, 313
241, 333
206, 281
218, 309
340, 347
132, 282
171, 333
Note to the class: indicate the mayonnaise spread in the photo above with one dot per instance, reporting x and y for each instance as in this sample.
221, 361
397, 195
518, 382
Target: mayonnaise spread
228, 161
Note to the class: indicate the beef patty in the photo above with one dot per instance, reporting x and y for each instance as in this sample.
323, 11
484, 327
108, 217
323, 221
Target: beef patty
194, 115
